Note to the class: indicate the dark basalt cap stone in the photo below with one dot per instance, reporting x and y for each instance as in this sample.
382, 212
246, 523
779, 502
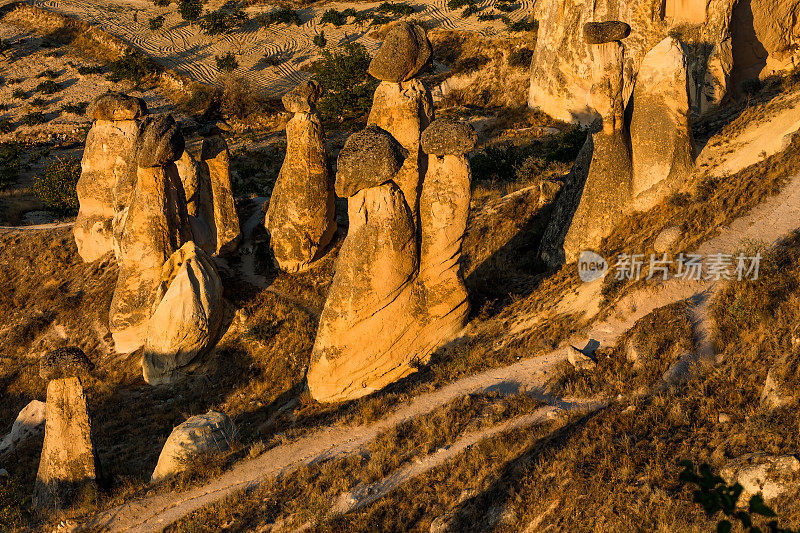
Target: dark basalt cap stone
605, 32
303, 98
369, 158
118, 106
403, 54
445, 136
65, 362
161, 142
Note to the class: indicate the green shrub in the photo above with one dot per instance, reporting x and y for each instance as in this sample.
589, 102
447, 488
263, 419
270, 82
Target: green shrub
86, 70
469, 11
10, 154
56, 185
6, 126
271, 60
33, 118
222, 21
227, 63
332, 16
504, 6
452, 5
39, 102
400, 9
49, 74
485, 17
190, 10
320, 40
78, 108
377, 20
133, 66
520, 58
281, 16
162, 3
156, 23
347, 88
48, 87
522, 25
19, 94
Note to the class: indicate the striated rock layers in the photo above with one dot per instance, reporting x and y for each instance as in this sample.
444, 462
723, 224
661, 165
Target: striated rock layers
395, 296
108, 172
301, 217
155, 227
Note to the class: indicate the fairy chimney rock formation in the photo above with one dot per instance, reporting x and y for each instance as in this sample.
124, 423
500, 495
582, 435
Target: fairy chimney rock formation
155, 227
67, 469
661, 131
301, 217
186, 318
402, 105
108, 170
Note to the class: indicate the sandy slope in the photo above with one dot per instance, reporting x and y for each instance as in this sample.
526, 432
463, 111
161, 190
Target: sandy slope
185, 48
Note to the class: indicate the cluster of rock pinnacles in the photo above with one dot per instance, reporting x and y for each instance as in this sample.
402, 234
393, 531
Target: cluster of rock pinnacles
396, 294
623, 168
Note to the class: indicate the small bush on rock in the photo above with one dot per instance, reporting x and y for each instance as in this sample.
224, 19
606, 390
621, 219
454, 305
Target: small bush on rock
56, 185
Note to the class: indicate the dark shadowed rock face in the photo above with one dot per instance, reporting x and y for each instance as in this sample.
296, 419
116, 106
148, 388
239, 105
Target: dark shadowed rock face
369, 158
161, 142
403, 54
448, 137
118, 106
605, 32
303, 98
68, 361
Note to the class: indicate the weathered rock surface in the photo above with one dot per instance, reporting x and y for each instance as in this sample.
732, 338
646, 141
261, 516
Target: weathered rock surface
214, 187
156, 225
769, 475
667, 240
301, 217
67, 470
187, 315
578, 359
448, 137
161, 142
368, 302
108, 171
65, 362
404, 52
773, 395
303, 98
661, 133
369, 158
405, 110
605, 32
29, 424
208, 433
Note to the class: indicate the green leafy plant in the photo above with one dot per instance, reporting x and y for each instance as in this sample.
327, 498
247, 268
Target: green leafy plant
156, 23
452, 5
19, 94
522, 25
78, 108
485, 17
49, 74
377, 20
715, 496
10, 155
190, 10
320, 40
48, 87
334, 17
520, 58
93, 69
222, 21
347, 88
39, 102
56, 186
162, 3
33, 118
399, 9
133, 66
281, 16
504, 5
227, 62
469, 11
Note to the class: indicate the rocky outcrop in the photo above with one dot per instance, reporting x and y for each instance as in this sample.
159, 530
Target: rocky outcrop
769, 475
395, 296
108, 170
29, 424
301, 217
67, 470
186, 318
156, 225
661, 132
218, 209
405, 51
208, 433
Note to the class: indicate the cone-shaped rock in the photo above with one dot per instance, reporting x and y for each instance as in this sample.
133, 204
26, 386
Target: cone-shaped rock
214, 186
155, 227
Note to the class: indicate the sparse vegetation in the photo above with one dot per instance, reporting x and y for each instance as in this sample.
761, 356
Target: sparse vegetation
156, 23
38, 102
10, 165
281, 16
227, 62
522, 25
332, 16
190, 10
49, 74
48, 87
6, 126
133, 66
34, 118
320, 40
85, 70
55, 187
19, 94
347, 87
78, 108
222, 21
520, 58
399, 9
